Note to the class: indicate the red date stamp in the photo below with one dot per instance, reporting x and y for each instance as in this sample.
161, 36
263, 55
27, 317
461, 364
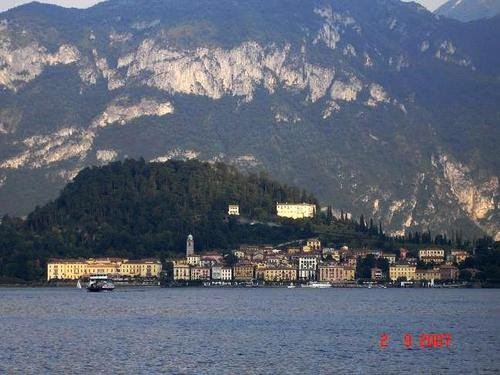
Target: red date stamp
424, 340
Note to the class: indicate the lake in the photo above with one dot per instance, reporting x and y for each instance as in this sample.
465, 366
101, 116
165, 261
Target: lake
247, 331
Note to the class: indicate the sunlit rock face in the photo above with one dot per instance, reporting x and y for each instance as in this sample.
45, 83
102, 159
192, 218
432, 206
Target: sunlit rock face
349, 100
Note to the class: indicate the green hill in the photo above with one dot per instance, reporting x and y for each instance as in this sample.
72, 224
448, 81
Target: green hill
137, 209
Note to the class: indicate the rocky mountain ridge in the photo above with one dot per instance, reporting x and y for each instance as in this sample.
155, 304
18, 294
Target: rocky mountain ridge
375, 106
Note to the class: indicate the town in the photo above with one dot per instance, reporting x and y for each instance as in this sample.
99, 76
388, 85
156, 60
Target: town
299, 262
268, 265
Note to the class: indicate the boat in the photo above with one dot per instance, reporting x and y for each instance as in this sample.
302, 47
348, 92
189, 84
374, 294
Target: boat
317, 284
100, 283
79, 284
291, 286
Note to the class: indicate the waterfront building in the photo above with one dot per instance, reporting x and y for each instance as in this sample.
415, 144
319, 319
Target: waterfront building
146, 268
428, 275
66, 269
335, 273
307, 267
448, 272
226, 274
200, 273
73, 269
181, 271
433, 255
280, 274
296, 211
189, 245
397, 271
233, 210
216, 273
243, 271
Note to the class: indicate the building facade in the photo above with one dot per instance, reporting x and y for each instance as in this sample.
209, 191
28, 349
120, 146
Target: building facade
296, 211
335, 273
280, 274
233, 210
398, 271
73, 269
448, 272
428, 275
431, 255
243, 272
307, 267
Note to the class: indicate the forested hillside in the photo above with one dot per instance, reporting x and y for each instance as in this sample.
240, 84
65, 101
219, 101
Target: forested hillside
137, 209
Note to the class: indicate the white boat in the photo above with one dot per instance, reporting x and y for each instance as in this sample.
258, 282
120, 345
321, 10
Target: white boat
79, 284
291, 286
317, 284
100, 283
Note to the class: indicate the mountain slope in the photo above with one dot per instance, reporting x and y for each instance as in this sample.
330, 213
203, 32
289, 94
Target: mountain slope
469, 10
375, 106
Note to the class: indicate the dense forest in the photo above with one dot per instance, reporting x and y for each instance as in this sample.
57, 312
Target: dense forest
136, 209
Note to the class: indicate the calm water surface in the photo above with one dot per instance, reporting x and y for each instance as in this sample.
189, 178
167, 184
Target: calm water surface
246, 331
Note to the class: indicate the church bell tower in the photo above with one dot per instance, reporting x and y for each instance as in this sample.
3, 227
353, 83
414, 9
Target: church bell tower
189, 245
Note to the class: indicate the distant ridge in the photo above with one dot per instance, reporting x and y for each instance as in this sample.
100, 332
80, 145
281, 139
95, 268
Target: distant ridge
469, 10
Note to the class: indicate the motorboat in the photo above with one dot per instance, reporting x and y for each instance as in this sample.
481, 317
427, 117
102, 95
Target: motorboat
317, 284
100, 283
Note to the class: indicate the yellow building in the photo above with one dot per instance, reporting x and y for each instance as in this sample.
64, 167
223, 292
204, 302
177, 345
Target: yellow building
335, 273
397, 271
428, 275
280, 274
296, 211
73, 269
243, 272
312, 244
141, 268
181, 271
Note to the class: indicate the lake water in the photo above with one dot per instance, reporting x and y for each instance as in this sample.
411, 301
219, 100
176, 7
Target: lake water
246, 331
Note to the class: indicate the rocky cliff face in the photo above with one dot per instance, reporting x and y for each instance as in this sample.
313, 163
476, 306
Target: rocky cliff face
347, 100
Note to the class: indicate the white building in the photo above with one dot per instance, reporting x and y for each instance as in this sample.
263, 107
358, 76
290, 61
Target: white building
234, 210
307, 267
296, 211
226, 274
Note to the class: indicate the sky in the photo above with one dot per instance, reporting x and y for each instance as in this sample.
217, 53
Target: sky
7, 4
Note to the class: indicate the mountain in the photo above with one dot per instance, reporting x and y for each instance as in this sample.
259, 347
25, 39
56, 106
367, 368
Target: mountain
469, 10
374, 106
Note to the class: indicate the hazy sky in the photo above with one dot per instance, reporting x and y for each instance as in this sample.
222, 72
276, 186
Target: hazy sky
6, 4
